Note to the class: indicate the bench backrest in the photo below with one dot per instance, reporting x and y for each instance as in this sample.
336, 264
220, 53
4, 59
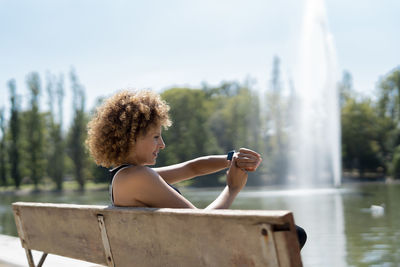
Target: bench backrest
159, 237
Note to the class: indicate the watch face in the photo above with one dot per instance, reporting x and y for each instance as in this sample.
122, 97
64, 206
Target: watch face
230, 155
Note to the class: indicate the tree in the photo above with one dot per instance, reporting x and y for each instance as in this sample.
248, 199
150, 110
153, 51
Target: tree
360, 129
99, 173
389, 95
35, 132
395, 164
77, 132
55, 91
235, 118
3, 176
345, 88
388, 108
189, 136
277, 121
14, 154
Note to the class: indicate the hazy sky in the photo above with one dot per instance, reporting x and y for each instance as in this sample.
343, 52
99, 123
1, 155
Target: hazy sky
158, 44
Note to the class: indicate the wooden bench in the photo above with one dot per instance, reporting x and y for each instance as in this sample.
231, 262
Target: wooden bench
114, 236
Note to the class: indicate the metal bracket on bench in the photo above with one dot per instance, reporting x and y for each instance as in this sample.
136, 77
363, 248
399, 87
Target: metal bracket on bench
269, 244
104, 238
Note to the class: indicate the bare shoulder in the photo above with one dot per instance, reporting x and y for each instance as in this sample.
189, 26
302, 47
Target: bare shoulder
130, 183
137, 174
142, 186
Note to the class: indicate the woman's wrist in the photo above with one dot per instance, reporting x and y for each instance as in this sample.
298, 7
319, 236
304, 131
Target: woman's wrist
234, 190
222, 161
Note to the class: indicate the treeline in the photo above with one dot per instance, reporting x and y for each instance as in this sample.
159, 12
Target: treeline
371, 127
35, 147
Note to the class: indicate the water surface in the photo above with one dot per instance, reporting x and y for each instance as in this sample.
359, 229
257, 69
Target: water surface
342, 228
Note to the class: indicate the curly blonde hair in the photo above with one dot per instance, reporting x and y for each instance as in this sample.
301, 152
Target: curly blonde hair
119, 120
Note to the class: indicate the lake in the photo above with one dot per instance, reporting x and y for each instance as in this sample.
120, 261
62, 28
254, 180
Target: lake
342, 228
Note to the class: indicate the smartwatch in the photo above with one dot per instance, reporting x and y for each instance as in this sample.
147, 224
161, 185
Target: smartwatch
229, 156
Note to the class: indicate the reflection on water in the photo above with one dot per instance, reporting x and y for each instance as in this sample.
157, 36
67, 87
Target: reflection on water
373, 240
320, 212
342, 231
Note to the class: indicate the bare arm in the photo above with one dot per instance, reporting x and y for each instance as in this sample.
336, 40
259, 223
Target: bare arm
236, 180
143, 186
224, 200
246, 159
192, 168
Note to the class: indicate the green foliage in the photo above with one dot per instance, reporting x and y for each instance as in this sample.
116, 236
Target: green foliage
3, 159
360, 135
389, 95
15, 145
276, 121
395, 164
77, 132
56, 142
345, 88
210, 120
189, 136
35, 132
99, 173
370, 130
235, 121
388, 109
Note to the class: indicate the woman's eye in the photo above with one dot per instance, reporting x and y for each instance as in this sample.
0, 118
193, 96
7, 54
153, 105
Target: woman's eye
156, 137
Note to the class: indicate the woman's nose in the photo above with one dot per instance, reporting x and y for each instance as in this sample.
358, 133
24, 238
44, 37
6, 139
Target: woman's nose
161, 143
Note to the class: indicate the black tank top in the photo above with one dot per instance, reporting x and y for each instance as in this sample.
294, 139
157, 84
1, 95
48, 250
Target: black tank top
112, 174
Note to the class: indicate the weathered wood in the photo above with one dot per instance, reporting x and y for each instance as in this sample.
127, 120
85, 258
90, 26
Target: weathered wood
106, 243
28, 253
42, 259
160, 237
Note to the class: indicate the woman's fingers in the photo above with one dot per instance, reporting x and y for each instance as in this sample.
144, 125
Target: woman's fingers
249, 151
248, 162
247, 158
236, 165
247, 166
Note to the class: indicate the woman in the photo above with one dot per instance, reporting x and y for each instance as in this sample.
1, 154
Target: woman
125, 134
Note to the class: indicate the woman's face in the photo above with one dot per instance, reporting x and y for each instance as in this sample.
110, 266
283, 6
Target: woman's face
146, 148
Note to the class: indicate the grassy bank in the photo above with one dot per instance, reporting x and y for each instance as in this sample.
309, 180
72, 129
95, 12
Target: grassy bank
50, 187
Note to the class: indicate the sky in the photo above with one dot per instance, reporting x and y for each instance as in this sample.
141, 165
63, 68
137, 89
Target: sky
114, 45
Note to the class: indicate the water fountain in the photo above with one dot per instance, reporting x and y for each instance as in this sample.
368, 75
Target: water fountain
314, 141
315, 150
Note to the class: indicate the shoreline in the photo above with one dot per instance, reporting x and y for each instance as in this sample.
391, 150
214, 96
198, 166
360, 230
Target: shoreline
32, 191
104, 187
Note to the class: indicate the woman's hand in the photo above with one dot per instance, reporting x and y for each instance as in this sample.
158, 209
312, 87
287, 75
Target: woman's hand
248, 160
236, 177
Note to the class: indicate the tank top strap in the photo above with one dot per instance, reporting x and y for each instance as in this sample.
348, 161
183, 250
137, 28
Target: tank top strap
116, 169
112, 174
176, 189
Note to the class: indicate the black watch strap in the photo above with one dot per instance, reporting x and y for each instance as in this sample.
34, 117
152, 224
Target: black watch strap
229, 156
